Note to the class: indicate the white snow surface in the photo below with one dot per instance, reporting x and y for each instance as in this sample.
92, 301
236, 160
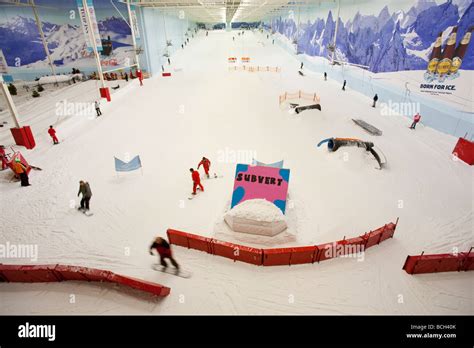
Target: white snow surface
257, 210
171, 123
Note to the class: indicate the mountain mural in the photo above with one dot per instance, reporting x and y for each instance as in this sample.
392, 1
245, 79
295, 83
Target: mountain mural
386, 42
21, 42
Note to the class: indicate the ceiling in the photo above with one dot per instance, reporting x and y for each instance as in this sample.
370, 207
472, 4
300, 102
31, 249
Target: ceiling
219, 11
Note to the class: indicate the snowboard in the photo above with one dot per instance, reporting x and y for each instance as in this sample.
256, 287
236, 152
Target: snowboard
35, 168
171, 270
86, 213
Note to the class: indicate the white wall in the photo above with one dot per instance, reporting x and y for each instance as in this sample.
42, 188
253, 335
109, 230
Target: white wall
157, 27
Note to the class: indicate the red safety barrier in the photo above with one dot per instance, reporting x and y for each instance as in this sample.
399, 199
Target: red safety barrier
250, 255
105, 93
23, 137
277, 257
464, 150
282, 256
439, 263
165, 74
178, 238
58, 273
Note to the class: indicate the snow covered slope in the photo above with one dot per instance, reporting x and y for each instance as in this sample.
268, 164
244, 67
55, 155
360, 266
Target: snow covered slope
204, 110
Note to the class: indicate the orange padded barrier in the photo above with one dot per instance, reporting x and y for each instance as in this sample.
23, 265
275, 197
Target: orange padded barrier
439, 263
283, 256
58, 273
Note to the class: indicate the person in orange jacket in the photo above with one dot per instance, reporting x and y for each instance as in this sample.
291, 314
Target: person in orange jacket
20, 170
52, 133
206, 164
196, 180
416, 119
3, 157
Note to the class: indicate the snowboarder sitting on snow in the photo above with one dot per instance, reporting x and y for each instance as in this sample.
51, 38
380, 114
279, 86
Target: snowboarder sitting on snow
206, 164
164, 251
85, 189
416, 119
52, 133
196, 180
20, 170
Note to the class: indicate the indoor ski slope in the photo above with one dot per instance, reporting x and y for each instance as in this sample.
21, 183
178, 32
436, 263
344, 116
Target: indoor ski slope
204, 109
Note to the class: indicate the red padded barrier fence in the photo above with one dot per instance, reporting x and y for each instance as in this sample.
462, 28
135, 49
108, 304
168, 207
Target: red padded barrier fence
282, 256
58, 273
439, 263
464, 150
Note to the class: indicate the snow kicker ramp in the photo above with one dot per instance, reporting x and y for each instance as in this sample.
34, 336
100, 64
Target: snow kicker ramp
283, 256
59, 273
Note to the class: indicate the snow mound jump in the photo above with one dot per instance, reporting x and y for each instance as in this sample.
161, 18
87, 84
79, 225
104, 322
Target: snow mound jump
256, 216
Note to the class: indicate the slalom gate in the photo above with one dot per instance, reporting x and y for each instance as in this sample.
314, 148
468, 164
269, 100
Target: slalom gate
298, 95
275, 69
59, 273
439, 263
283, 256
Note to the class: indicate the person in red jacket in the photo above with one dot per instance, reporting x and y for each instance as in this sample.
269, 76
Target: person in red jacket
196, 180
52, 133
164, 251
206, 164
416, 119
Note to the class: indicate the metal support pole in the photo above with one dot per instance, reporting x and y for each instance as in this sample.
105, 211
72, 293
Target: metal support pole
93, 42
337, 27
10, 104
132, 28
43, 39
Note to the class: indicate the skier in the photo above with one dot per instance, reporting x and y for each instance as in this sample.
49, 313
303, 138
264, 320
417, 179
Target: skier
164, 251
273, 42
169, 61
376, 97
196, 180
52, 133
20, 169
126, 77
97, 108
301, 67
3, 157
206, 164
325, 76
344, 85
416, 119
85, 189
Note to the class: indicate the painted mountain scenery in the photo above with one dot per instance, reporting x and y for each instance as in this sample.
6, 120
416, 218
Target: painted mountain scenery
389, 41
21, 42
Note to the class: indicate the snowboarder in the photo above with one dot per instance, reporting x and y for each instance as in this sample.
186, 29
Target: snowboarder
20, 169
344, 85
164, 251
85, 189
416, 119
376, 97
52, 133
169, 61
301, 67
325, 76
97, 108
196, 180
3, 157
206, 164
